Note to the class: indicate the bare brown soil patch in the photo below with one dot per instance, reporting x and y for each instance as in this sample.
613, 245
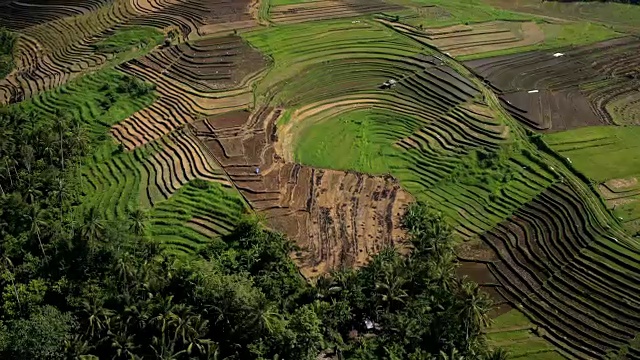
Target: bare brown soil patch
195, 17
337, 218
552, 110
621, 184
617, 192
460, 40
567, 88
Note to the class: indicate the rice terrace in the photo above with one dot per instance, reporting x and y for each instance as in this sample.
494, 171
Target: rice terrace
329, 124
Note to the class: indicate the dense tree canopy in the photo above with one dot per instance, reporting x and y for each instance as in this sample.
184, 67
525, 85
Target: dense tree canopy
76, 286
7, 45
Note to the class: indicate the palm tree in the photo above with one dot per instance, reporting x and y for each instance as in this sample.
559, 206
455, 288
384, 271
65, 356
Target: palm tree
193, 337
390, 290
138, 219
93, 227
62, 192
96, 315
5, 265
475, 308
31, 190
123, 343
165, 314
8, 169
37, 221
79, 347
59, 127
265, 317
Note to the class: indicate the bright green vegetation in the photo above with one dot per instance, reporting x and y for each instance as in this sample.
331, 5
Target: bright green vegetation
515, 334
352, 141
604, 153
575, 34
439, 13
558, 36
112, 180
98, 100
129, 42
600, 152
7, 44
287, 2
188, 220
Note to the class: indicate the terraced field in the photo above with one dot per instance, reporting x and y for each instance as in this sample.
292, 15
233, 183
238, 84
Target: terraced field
559, 267
515, 332
51, 53
336, 218
599, 82
608, 156
196, 18
193, 80
441, 122
197, 213
18, 15
148, 175
328, 127
447, 142
460, 40
326, 9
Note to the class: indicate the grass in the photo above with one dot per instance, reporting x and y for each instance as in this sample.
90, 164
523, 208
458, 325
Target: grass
287, 2
129, 42
96, 99
220, 206
600, 152
357, 137
513, 332
439, 13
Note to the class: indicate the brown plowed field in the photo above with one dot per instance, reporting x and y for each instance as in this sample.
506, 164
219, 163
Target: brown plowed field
197, 17
558, 267
193, 80
20, 14
492, 36
554, 93
337, 218
327, 9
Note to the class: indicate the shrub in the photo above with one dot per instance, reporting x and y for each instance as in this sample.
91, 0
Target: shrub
7, 45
